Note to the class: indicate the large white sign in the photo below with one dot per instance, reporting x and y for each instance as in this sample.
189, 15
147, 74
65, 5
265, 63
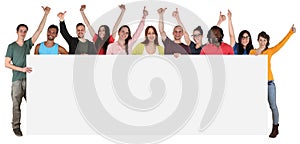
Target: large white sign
138, 99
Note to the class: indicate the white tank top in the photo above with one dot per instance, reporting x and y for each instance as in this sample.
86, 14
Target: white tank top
146, 53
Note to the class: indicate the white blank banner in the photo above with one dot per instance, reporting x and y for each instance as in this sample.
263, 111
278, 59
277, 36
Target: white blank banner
137, 99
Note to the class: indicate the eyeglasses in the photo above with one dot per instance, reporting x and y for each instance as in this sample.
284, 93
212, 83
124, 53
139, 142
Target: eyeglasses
245, 37
196, 35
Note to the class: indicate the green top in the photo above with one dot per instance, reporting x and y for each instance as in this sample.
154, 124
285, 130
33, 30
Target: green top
18, 57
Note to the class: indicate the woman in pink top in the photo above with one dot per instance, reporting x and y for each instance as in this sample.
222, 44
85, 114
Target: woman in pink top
123, 46
103, 38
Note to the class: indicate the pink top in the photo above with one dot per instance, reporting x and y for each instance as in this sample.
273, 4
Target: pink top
116, 49
211, 49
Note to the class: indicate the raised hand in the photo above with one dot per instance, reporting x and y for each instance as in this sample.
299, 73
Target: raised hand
145, 12
162, 32
222, 17
161, 10
293, 28
82, 8
122, 7
61, 15
229, 14
46, 9
175, 13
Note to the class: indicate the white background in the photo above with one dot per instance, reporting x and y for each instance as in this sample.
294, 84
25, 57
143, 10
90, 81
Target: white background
274, 17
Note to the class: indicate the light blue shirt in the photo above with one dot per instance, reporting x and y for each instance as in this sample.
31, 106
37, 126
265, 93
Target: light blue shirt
43, 50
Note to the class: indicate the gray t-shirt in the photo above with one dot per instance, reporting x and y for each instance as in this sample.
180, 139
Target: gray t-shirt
171, 47
82, 47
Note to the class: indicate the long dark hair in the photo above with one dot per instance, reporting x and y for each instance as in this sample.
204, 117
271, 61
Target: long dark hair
146, 41
249, 46
266, 36
128, 38
102, 43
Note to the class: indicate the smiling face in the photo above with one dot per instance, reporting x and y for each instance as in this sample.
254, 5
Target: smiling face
151, 35
245, 39
262, 42
22, 31
51, 34
197, 36
123, 33
215, 35
178, 33
80, 30
101, 32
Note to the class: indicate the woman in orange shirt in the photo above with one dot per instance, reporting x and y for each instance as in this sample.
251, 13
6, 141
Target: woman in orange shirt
264, 41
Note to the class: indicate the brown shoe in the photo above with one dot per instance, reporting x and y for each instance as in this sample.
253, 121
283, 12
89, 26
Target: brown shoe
274, 132
18, 132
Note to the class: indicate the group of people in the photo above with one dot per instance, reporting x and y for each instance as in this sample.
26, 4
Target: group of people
104, 43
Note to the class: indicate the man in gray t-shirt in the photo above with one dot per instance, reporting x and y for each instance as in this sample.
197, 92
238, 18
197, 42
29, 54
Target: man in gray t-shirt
172, 47
77, 45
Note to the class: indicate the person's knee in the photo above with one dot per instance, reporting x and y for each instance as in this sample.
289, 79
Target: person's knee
16, 108
273, 107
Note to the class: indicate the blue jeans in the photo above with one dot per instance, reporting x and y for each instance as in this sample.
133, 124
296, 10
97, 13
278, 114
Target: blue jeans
18, 91
272, 101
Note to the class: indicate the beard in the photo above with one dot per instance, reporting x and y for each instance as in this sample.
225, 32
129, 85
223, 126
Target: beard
215, 41
80, 35
177, 38
50, 38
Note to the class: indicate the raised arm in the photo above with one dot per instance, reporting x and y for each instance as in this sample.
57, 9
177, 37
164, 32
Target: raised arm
162, 32
86, 21
115, 29
230, 27
139, 30
63, 29
41, 26
221, 19
284, 40
175, 14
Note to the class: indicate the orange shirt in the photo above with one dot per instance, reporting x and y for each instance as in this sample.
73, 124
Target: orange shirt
273, 50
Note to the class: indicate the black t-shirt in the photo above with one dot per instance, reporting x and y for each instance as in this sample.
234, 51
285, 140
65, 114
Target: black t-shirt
193, 49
